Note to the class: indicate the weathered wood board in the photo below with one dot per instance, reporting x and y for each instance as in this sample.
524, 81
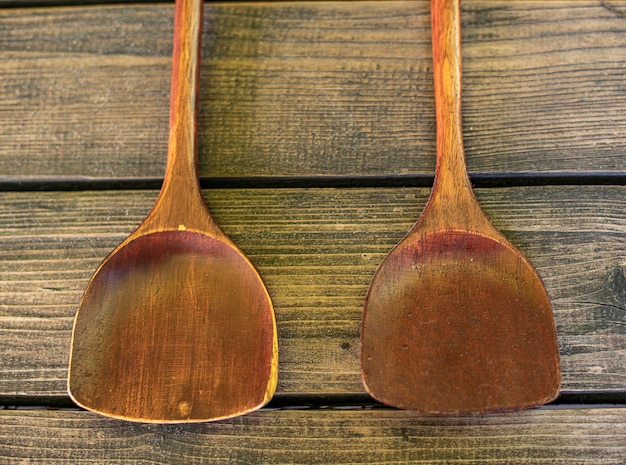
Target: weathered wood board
322, 88
317, 250
567, 437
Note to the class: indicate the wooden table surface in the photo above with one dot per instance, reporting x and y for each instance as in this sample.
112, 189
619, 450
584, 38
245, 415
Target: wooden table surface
316, 151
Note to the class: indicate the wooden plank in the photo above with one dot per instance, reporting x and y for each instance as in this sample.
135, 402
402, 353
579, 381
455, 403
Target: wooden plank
317, 250
568, 437
30, 3
316, 88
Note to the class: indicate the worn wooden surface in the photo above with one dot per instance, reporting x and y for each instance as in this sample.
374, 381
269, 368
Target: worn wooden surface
209, 347
326, 88
321, 437
327, 95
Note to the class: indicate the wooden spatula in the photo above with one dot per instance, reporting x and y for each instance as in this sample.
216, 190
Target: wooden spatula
176, 324
456, 319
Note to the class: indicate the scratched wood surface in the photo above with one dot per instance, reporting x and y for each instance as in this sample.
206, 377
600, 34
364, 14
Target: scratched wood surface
321, 437
317, 250
328, 88
311, 91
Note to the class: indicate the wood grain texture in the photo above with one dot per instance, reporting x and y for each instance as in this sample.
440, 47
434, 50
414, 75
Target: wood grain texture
567, 437
176, 324
315, 88
317, 250
322, 88
456, 320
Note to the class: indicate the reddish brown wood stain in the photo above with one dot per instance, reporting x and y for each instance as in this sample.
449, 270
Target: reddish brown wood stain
176, 324
174, 318
460, 329
456, 319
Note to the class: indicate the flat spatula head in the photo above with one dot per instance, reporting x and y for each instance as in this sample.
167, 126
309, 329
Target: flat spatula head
458, 322
174, 327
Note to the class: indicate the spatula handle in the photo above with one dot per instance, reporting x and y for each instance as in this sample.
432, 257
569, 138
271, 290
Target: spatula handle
182, 149
446, 30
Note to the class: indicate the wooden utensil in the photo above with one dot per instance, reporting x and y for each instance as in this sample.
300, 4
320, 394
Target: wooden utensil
176, 324
456, 319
